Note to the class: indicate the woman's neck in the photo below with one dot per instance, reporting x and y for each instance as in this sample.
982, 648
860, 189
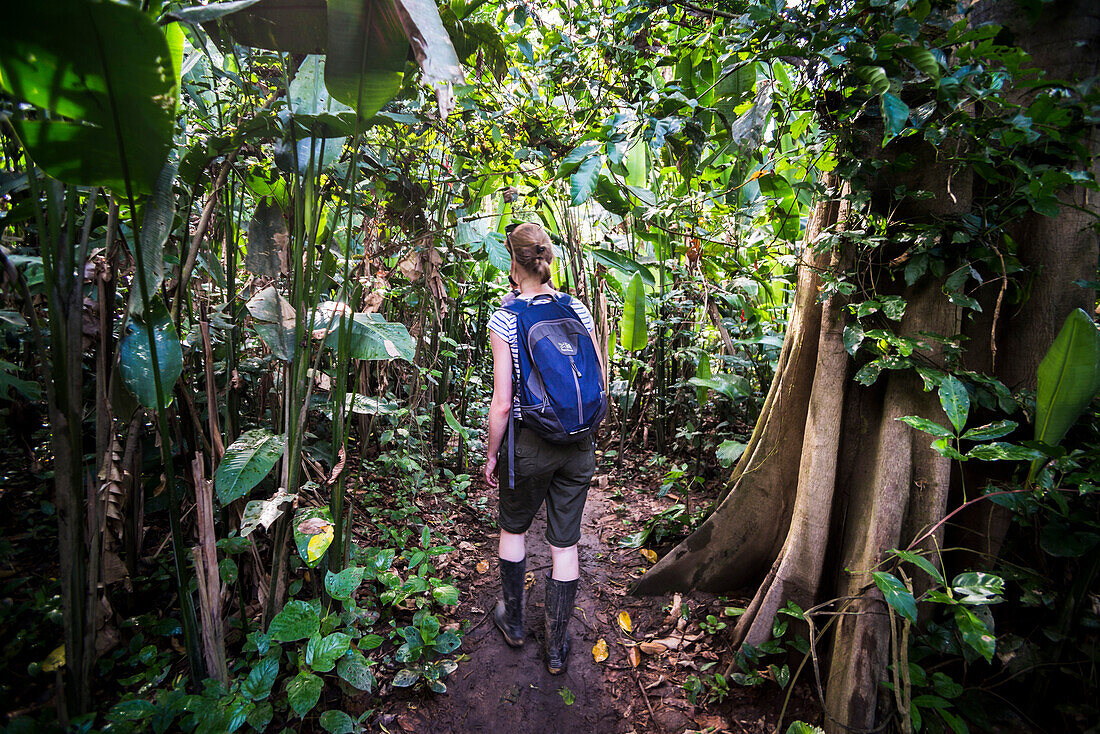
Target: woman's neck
532, 288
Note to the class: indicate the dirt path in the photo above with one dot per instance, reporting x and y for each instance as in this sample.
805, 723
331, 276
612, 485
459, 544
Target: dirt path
502, 690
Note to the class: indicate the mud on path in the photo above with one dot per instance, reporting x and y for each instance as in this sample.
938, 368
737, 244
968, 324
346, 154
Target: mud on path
503, 690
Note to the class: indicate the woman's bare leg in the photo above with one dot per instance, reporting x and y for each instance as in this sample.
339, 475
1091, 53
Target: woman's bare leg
512, 546
566, 563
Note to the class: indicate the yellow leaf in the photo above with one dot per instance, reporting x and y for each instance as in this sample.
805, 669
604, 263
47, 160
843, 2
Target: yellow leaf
54, 660
599, 651
650, 556
625, 623
318, 544
633, 656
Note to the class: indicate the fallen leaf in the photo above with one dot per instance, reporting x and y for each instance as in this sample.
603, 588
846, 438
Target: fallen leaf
567, 695
677, 605
650, 555
313, 526
624, 622
482, 567
633, 656
652, 648
599, 650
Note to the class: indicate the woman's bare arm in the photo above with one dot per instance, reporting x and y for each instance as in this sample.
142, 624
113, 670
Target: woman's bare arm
500, 405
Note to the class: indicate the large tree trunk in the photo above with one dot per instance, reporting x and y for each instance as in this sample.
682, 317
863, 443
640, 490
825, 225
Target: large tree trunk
831, 480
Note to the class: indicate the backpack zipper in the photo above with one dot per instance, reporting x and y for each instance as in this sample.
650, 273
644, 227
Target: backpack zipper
577, 384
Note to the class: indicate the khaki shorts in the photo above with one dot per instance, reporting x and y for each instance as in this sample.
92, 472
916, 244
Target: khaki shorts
558, 474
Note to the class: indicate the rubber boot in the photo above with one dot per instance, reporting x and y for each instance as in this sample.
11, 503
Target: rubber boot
508, 614
559, 609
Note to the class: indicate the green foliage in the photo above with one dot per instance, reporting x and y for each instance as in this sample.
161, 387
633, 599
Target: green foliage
112, 96
246, 462
1069, 378
136, 357
632, 328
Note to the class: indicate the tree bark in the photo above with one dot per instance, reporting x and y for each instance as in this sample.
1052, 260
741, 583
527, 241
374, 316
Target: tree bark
754, 513
831, 479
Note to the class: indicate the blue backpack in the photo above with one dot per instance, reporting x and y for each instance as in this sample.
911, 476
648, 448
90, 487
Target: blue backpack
560, 380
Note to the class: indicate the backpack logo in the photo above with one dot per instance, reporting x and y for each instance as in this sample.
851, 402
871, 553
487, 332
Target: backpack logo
566, 348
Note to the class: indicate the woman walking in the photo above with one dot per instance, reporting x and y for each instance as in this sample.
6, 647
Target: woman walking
535, 469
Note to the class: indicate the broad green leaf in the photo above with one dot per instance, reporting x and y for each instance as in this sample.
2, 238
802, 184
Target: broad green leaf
453, 423
975, 633
372, 337
875, 76
366, 53
732, 386
853, 337
268, 243
273, 319
405, 678
447, 643
733, 88
303, 692
897, 596
308, 95
632, 326
923, 424
297, 26
323, 652
955, 401
246, 462
703, 372
921, 58
108, 69
341, 586
944, 447
136, 358
895, 114
1001, 451
446, 595
610, 197
136, 709
337, 722
298, 620
156, 224
1062, 541
259, 717
990, 431
1069, 378
801, 727
920, 561
977, 587
728, 452
227, 570
257, 686
200, 14
355, 670
583, 182
623, 263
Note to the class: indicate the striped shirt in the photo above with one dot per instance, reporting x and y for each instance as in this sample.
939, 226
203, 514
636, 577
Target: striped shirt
503, 324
